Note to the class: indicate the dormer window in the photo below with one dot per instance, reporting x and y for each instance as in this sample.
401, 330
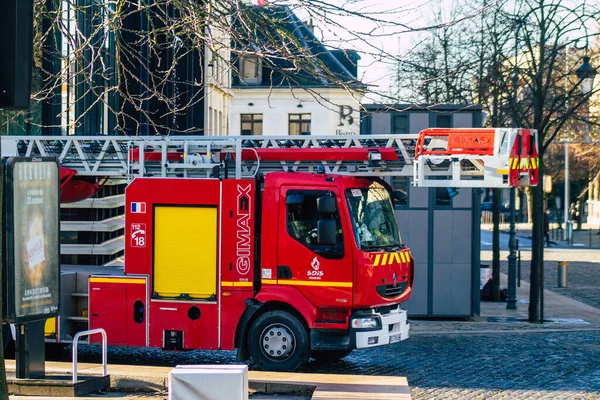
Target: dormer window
251, 70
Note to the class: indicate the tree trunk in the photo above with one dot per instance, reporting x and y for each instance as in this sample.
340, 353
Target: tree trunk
496, 244
537, 248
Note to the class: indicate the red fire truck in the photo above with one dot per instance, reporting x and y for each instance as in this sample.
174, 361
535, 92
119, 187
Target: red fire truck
280, 248
281, 266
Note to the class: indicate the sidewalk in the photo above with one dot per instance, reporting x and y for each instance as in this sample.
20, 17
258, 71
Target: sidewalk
268, 385
561, 313
586, 237
574, 308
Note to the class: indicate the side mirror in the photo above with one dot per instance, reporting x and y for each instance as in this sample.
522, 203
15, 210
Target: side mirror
326, 232
326, 204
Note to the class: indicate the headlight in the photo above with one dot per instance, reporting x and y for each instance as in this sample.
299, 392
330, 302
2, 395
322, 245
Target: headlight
366, 323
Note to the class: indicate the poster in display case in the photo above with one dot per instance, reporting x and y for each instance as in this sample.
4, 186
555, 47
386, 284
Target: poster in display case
31, 239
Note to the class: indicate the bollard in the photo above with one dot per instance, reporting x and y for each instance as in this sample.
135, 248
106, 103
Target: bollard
570, 233
563, 270
519, 268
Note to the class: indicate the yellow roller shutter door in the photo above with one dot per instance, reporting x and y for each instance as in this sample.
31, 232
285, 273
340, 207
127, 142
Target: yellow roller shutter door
185, 251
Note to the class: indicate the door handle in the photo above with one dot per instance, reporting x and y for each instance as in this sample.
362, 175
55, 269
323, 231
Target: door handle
284, 272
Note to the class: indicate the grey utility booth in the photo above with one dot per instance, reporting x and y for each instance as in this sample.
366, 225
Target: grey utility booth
444, 240
442, 231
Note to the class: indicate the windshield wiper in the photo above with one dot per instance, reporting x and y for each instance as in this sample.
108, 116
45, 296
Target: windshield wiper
371, 247
382, 247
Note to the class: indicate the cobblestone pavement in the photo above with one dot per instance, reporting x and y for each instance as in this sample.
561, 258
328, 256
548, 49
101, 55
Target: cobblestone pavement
537, 365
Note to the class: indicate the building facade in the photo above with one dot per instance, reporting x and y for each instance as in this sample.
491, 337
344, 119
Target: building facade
280, 112
96, 85
275, 95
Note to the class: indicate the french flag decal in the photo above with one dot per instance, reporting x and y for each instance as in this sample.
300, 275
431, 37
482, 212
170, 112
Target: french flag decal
138, 208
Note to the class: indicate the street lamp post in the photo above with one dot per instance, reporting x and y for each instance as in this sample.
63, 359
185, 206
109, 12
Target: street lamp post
585, 74
511, 298
567, 194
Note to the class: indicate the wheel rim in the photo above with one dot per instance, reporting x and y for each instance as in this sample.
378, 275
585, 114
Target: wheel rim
277, 342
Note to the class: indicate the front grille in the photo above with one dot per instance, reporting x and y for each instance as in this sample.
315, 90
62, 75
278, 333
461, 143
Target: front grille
392, 290
384, 310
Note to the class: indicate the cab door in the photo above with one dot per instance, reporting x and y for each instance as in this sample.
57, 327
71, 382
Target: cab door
323, 273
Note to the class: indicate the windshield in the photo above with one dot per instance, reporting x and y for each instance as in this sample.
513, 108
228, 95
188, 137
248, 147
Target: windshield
373, 218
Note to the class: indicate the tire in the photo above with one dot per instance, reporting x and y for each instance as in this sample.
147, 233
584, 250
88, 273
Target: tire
269, 342
332, 355
56, 351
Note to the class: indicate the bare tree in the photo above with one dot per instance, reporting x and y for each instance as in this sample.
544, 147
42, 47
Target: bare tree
540, 43
466, 63
550, 94
437, 69
145, 67
490, 41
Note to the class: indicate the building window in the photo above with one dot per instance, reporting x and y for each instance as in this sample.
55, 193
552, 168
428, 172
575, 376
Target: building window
299, 124
399, 124
252, 124
302, 221
401, 184
251, 70
443, 121
442, 197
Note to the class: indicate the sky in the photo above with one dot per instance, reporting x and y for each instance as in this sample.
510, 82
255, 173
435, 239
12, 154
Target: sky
376, 41
401, 25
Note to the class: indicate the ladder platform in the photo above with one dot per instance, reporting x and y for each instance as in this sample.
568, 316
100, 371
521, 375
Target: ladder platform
476, 158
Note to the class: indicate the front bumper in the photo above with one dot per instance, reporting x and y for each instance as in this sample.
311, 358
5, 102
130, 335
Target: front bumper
394, 328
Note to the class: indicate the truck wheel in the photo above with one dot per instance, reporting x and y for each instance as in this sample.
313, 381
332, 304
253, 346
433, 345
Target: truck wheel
332, 355
56, 351
278, 341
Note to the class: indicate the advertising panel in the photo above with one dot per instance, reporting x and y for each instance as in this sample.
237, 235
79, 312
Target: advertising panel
31, 239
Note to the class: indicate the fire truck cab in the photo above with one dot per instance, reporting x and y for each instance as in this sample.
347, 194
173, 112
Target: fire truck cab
281, 268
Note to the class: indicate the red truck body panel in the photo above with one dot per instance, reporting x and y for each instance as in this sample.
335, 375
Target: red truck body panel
112, 307
324, 290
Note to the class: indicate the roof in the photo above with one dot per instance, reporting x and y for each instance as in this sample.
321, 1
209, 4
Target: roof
291, 54
378, 107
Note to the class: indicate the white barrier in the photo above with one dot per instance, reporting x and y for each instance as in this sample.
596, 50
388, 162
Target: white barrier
76, 340
208, 382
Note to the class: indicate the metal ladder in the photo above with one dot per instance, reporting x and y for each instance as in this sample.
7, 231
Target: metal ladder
127, 157
118, 156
